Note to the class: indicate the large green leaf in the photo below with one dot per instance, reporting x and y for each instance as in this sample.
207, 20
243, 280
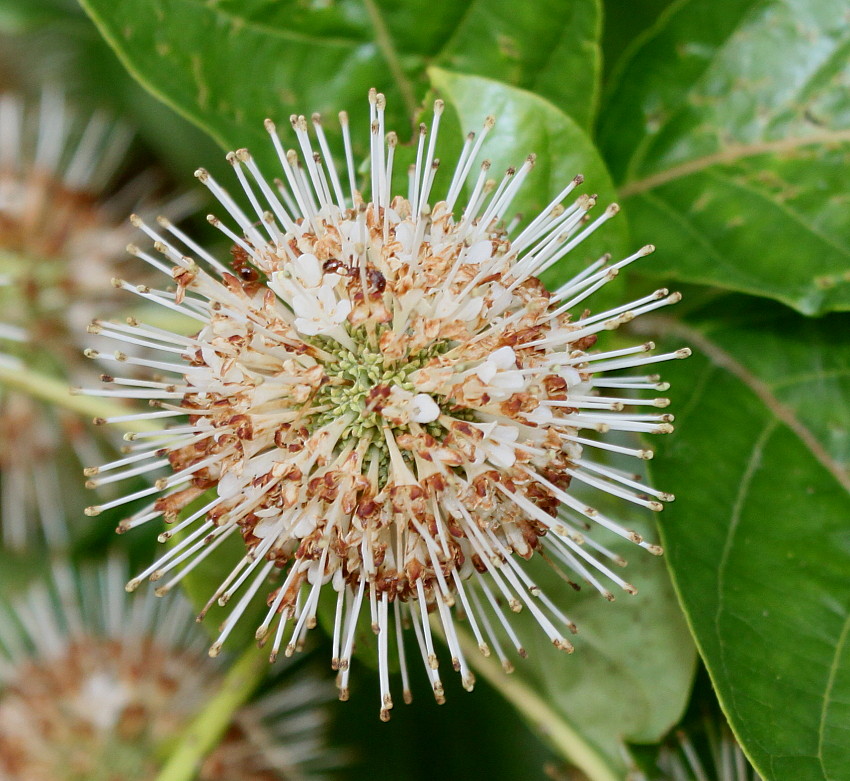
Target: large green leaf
550, 48
758, 541
727, 132
228, 65
527, 123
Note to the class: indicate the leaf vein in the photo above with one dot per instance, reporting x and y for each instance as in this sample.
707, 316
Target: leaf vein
800, 379
732, 154
679, 218
827, 695
737, 508
722, 359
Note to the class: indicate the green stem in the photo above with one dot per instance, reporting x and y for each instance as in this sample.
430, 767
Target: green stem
204, 733
550, 724
55, 392
387, 47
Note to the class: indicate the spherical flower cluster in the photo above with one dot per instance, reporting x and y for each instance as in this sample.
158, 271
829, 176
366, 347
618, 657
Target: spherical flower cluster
383, 401
93, 688
62, 234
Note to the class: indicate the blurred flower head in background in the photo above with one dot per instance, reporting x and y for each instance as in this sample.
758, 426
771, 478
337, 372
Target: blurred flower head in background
96, 688
63, 236
384, 399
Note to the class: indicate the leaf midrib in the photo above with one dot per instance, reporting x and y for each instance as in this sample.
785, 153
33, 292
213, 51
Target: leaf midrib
724, 360
737, 509
833, 671
730, 155
779, 413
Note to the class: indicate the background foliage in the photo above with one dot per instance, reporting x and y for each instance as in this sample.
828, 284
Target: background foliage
724, 131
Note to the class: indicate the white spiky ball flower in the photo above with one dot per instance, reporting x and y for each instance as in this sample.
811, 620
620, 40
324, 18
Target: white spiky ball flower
93, 687
384, 402
63, 235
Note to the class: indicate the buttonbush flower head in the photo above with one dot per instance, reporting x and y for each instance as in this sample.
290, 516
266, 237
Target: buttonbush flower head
62, 233
94, 688
384, 402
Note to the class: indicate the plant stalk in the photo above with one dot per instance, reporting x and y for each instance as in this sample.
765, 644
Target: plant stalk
205, 731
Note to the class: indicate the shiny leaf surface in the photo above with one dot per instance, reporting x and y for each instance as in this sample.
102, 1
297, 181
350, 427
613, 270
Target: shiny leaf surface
758, 540
727, 133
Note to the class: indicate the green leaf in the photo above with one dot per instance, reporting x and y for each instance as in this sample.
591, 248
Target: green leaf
229, 65
758, 541
550, 48
526, 123
727, 131
624, 22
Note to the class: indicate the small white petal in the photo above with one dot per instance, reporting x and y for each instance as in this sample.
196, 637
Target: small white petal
508, 381
268, 527
308, 327
424, 409
471, 309
540, 415
308, 270
572, 377
504, 357
501, 456
480, 251
486, 371
305, 524
229, 485
341, 311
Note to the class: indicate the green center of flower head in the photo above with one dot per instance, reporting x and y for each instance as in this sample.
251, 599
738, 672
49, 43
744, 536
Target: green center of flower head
361, 383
